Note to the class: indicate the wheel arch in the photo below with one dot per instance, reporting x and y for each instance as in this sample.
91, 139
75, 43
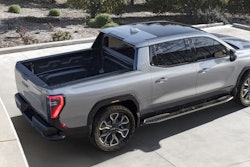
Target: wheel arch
128, 101
243, 72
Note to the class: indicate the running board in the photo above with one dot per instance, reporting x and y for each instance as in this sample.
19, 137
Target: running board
184, 111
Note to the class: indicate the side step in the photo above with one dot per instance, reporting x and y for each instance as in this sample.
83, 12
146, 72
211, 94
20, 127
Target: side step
184, 111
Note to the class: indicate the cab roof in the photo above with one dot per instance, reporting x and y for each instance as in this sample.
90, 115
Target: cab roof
142, 33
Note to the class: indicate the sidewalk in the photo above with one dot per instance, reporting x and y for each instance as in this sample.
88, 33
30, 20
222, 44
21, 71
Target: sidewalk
11, 152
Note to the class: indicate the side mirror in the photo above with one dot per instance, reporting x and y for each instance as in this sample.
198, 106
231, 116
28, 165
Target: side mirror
232, 55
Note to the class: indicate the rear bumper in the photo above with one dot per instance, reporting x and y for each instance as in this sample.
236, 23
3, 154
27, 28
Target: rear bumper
44, 128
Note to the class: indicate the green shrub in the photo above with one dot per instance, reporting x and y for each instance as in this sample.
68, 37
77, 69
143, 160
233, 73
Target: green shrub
211, 15
61, 36
95, 7
102, 19
14, 9
114, 6
112, 24
55, 12
92, 23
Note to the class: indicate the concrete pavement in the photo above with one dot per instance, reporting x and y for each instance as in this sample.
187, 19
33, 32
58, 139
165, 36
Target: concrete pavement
216, 137
11, 152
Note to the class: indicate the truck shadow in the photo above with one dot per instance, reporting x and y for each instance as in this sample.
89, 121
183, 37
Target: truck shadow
76, 150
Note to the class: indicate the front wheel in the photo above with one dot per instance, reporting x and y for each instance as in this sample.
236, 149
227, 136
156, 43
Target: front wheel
112, 128
243, 94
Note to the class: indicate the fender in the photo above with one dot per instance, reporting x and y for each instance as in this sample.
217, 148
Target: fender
114, 100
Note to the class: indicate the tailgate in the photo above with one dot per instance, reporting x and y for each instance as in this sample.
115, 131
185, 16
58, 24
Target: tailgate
32, 89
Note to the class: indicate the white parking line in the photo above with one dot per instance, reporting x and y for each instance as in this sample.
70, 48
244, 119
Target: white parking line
16, 136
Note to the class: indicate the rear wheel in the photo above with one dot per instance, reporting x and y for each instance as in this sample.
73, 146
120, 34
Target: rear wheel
112, 128
243, 94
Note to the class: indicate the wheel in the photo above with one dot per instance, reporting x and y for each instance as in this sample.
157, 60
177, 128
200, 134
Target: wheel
243, 94
112, 128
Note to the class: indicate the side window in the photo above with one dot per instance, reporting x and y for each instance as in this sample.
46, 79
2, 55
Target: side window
119, 46
172, 53
207, 48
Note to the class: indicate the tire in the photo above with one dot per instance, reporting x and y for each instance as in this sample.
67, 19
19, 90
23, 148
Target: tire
112, 128
243, 91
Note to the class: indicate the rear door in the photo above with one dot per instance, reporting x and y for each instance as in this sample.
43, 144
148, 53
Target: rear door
173, 73
215, 71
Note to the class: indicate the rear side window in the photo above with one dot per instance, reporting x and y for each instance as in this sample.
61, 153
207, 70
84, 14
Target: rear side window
119, 46
172, 53
208, 48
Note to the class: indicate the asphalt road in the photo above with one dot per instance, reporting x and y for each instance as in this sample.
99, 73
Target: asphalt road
215, 137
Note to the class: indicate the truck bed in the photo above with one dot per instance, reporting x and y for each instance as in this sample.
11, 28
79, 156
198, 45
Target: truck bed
77, 65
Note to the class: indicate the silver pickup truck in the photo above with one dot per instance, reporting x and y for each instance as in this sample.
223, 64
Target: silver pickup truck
132, 75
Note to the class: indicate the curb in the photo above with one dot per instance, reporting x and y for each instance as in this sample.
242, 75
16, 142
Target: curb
45, 45
208, 25
15, 134
241, 26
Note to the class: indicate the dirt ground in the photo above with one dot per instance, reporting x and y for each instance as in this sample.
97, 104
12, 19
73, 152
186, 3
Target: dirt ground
37, 27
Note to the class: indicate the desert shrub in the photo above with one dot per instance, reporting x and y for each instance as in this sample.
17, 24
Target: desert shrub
27, 39
112, 24
95, 7
55, 12
114, 6
161, 6
102, 19
61, 36
92, 23
211, 15
14, 9
239, 6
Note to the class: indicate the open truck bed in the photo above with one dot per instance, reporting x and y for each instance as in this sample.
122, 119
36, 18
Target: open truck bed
67, 67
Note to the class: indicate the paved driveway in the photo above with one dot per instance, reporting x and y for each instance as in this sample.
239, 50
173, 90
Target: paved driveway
215, 137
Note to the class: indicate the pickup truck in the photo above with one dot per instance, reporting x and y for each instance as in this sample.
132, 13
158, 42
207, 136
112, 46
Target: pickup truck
133, 75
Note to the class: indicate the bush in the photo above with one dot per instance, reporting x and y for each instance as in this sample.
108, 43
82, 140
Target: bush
61, 36
55, 12
161, 6
211, 15
112, 24
14, 9
95, 7
114, 6
102, 19
92, 23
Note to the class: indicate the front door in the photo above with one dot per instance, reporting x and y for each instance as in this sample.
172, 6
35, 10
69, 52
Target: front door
173, 73
215, 71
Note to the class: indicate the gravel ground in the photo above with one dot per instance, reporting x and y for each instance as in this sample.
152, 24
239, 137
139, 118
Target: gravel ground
37, 26
34, 24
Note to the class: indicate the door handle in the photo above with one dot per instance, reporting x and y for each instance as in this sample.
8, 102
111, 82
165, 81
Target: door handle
161, 80
204, 70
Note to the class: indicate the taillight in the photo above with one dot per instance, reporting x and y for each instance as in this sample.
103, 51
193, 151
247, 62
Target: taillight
56, 104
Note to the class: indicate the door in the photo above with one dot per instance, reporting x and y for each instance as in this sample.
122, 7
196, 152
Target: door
173, 73
215, 71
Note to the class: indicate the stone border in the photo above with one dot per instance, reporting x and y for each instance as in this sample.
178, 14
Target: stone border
208, 25
45, 45
241, 26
